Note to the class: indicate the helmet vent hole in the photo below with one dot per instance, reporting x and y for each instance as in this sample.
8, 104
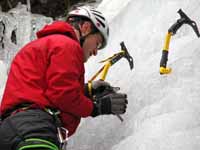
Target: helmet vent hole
100, 22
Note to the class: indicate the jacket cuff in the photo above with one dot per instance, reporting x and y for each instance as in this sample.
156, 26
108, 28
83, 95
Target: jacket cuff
86, 90
95, 111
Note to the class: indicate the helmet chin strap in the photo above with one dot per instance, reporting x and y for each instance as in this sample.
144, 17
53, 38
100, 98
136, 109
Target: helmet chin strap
75, 23
83, 38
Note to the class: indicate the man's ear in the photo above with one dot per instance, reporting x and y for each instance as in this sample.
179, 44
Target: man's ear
86, 27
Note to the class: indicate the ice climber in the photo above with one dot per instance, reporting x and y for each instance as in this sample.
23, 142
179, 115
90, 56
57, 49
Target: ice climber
45, 95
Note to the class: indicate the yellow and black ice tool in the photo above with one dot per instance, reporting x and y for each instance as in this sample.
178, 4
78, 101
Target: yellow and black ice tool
111, 61
172, 31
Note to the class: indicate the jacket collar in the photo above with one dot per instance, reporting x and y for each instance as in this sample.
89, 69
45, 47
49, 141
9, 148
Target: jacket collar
57, 27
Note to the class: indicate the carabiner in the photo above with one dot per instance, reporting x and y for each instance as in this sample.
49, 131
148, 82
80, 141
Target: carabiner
63, 139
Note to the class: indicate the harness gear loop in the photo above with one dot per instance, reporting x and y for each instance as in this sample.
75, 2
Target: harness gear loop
36, 143
62, 133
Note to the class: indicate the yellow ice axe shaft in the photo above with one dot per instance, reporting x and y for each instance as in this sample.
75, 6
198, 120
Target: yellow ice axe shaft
172, 31
163, 63
103, 71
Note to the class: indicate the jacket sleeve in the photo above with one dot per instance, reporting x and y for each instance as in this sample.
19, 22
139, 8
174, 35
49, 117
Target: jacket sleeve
65, 70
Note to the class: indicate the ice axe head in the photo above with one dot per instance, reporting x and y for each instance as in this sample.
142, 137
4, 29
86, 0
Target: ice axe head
127, 55
187, 20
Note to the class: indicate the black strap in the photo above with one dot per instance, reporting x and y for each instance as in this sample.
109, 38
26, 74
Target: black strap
10, 111
55, 114
12, 127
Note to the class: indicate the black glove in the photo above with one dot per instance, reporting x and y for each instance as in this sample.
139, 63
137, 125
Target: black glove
114, 103
97, 88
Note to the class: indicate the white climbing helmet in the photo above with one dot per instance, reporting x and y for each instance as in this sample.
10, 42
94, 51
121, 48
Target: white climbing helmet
96, 18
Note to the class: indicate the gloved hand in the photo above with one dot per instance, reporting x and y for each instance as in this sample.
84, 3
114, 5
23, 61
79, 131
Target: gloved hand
114, 103
96, 88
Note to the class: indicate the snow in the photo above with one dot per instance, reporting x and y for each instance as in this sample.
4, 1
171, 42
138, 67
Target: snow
20, 25
163, 110
3, 77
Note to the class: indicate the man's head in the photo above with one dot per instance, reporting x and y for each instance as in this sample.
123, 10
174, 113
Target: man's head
92, 27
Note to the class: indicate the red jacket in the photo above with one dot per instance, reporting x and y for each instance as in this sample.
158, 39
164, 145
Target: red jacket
49, 71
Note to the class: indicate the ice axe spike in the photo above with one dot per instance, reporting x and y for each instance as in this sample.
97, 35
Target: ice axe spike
127, 55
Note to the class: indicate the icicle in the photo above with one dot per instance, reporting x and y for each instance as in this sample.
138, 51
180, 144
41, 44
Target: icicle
28, 5
9, 4
67, 6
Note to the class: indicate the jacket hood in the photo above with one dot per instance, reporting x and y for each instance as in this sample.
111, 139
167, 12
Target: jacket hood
57, 27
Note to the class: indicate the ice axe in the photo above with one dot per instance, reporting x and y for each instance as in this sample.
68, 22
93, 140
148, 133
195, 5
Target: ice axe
111, 61
184, 19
